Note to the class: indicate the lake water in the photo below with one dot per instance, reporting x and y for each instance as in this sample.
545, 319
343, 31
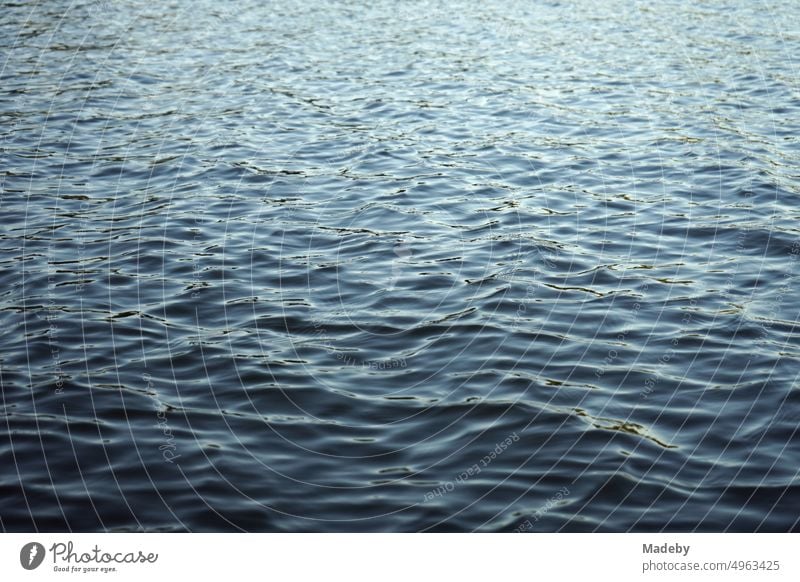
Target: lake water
419, 266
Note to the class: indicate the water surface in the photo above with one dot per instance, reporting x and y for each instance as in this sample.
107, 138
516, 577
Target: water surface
419, 266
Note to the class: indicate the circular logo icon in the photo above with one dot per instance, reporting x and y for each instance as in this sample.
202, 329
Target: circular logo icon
31, 555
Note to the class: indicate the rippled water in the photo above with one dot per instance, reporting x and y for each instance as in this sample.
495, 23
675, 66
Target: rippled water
308, 266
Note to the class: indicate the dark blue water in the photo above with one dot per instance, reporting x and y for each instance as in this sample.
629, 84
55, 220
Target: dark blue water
310, 266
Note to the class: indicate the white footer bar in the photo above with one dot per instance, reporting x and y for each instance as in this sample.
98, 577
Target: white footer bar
400, 557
